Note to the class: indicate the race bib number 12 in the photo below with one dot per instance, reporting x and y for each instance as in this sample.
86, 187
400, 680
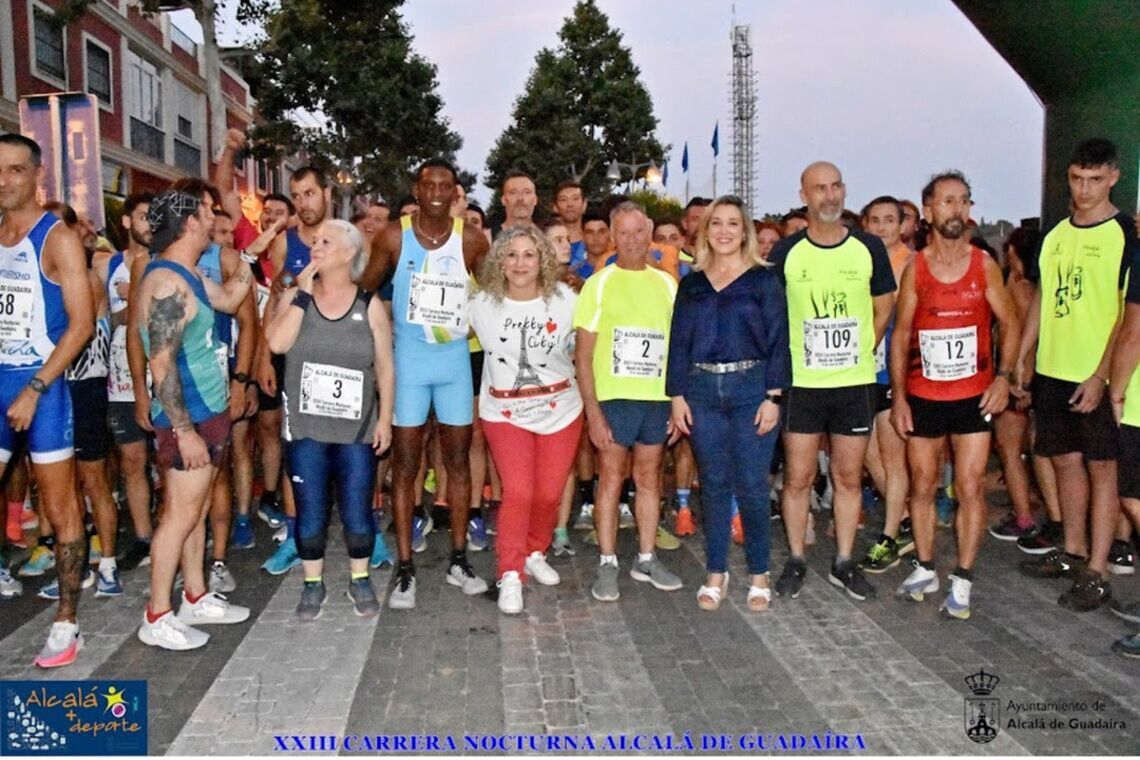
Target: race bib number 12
949, 354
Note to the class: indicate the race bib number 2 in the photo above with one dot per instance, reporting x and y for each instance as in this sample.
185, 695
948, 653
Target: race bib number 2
15, 310
638, 352
328, 391
949, 354
831, 343
437, 301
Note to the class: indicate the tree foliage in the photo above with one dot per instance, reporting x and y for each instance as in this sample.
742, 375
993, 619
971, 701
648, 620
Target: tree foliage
373, 100
658, 206
583, 106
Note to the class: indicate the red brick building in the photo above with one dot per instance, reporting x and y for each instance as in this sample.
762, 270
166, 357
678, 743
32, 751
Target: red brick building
147, 76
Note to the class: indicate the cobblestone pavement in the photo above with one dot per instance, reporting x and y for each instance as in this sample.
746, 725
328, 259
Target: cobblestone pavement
889, 671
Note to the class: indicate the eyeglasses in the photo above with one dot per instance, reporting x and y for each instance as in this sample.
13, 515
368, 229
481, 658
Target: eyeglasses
955, 202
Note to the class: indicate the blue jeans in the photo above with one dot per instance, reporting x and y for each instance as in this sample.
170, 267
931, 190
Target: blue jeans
732, 459
313, 467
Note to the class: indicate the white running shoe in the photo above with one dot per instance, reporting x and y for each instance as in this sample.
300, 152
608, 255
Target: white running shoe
536, 567
211, 609
957, 602
220, 579
169, 632
510, 593
919, 583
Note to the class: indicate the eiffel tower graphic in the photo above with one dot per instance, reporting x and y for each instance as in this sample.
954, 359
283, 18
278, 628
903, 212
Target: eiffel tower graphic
527, 375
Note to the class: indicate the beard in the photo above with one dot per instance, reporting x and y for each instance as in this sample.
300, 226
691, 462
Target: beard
830, 218
952, 228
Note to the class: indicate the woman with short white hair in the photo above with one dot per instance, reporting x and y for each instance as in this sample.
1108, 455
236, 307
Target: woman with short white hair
339, 391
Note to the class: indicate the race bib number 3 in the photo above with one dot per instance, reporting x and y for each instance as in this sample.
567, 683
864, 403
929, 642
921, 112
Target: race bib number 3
638, 352
15, 310
949, 354
831, 343
328, 391
437, 301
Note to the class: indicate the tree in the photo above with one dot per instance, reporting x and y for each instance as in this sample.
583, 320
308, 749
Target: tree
658, 206
373, 98
583, 106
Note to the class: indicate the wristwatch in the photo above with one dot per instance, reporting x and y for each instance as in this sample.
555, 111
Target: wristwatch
775, 398
242, 377
37, 385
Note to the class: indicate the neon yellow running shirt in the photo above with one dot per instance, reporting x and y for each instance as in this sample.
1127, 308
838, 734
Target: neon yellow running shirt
630, 310
1082, 274
831, 314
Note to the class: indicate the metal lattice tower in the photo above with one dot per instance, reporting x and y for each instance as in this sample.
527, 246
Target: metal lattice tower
743, 116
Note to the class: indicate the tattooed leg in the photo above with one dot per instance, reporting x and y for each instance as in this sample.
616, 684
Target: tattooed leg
70, 563
61, 503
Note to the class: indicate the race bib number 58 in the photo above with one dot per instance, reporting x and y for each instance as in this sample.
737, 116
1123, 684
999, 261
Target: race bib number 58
638, 352
831, 343
15, 310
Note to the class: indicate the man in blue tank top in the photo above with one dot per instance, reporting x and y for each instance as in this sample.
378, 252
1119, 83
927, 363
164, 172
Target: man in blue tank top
432, 255
189, 411
46, 317
311, 194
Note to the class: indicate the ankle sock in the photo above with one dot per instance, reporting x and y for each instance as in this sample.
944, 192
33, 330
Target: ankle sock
683, 497
107, 565
151, 617
607, 559
193, 599
964, 574
458, 556
644, 557
48, 542
359, 575
318, 579
928, 565
1026, 522
561, 534
269, 499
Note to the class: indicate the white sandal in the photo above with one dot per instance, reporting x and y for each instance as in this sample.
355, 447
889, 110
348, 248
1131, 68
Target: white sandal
710, 597
759, 598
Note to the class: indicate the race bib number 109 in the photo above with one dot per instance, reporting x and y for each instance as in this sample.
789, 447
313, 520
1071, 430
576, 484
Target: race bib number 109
831, 343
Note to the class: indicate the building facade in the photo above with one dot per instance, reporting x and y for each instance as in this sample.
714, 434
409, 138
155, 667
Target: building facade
147, 76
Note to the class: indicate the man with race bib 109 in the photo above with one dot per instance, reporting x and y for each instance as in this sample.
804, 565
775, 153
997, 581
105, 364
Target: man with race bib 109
840, 292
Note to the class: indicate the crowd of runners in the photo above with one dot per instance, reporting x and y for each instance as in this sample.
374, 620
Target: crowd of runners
545, 380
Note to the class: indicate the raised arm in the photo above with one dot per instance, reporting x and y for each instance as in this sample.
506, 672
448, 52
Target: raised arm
228, 296
224, 173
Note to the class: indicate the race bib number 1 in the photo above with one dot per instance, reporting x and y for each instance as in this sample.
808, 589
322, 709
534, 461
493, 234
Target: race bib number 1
15, 310
436, 300
638, 352
329, 391
831, 343
949, 354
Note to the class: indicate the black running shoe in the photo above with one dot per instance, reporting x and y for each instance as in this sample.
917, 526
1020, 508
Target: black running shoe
791, 580
138, 554
1055, 564
1090, 591
1044, 540
849, 577
1121, 560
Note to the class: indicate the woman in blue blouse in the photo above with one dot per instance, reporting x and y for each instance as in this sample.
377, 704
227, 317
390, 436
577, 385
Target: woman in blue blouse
728, 366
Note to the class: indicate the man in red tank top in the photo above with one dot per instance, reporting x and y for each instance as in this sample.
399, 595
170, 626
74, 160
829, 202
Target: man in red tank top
943, 379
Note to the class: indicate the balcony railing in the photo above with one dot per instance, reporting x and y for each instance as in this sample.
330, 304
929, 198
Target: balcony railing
148, 140
179, 38
187, 158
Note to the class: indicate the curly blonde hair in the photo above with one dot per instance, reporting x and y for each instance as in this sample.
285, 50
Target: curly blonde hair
493, 281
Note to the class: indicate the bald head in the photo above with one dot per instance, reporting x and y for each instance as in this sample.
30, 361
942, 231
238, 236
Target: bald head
823, 192
819, 170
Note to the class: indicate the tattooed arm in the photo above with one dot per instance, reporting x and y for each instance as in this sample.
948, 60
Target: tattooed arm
228, 296
169, 307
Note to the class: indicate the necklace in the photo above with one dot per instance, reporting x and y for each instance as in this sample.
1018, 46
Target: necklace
434, 239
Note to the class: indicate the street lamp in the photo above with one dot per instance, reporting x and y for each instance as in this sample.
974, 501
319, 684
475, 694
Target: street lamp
345, 183
652, 173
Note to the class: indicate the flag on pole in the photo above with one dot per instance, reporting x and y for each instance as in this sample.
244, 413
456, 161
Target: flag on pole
716, 140
685, 158
665, 175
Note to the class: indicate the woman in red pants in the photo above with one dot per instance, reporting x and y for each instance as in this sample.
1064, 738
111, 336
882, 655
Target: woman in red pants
529, 403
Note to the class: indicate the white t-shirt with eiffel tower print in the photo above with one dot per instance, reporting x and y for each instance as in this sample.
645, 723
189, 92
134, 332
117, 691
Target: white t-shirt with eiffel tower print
528, 363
